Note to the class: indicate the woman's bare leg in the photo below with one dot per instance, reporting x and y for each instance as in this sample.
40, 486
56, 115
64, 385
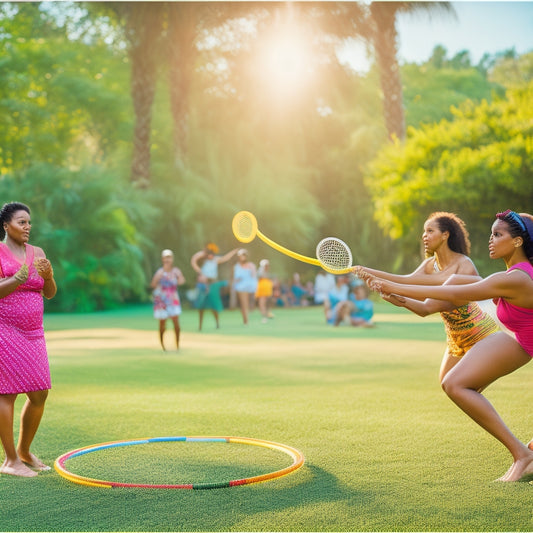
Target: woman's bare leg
490, 359
448, 362
177, 330
244, 300
30, 418
162, 328
262, 304
12, 463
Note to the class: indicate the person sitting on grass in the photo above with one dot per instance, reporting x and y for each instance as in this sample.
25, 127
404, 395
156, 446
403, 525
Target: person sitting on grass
334, 304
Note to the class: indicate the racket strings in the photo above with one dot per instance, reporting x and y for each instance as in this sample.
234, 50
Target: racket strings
244, 226
334, 254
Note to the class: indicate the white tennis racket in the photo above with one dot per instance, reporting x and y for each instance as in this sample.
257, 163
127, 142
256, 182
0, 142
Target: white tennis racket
334, 255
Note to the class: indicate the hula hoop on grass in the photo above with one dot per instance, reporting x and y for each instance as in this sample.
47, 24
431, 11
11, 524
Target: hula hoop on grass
297, 457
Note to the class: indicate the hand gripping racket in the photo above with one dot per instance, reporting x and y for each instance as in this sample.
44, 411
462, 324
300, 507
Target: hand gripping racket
333, 255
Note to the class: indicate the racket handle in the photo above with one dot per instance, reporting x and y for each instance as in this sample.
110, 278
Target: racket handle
290, 253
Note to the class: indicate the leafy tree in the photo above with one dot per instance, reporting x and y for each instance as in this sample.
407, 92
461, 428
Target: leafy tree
511, 70
431, 91
385, 43
218, 139
476, 164
162, 36
67, 124
59, 104
143, 23
87, 223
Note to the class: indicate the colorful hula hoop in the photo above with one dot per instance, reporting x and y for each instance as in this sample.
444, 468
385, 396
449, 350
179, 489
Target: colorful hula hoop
298, 461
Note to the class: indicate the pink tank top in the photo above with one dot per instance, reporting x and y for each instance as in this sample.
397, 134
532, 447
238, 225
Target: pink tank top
518, 319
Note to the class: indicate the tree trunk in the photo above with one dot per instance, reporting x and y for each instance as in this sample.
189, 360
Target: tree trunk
142, 91
181, 57
143, 25
385, 35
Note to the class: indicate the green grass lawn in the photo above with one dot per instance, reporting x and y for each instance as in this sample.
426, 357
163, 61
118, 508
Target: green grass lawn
385, 449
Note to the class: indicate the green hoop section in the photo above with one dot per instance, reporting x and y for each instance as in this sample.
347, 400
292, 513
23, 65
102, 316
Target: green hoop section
297, 461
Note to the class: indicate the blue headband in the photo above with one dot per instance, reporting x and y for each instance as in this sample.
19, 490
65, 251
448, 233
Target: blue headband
528, 223
525, 222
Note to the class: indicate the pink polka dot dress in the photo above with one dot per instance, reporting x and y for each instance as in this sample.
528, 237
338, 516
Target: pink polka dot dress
23, 357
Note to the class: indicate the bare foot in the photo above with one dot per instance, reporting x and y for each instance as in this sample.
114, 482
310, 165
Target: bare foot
506, 475
519, 469
17, 469
35, 463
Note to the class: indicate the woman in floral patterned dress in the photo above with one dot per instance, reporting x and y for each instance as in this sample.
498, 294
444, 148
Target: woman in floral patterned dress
166, 298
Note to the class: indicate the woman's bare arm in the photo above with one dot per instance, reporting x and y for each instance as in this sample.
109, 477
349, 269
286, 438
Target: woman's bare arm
516, 287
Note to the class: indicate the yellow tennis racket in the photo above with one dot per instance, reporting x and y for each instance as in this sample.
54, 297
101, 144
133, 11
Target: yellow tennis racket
333, 254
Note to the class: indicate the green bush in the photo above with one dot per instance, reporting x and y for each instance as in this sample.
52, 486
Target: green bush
477, 164
91, 226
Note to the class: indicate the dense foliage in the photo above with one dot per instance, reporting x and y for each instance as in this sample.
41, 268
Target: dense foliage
296, 158
477, 164
87, 222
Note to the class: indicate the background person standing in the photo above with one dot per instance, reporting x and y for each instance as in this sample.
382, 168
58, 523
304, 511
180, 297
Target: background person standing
166, 297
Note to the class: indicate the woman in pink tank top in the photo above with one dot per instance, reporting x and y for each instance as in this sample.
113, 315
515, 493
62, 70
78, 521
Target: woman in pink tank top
25, 277
500, 354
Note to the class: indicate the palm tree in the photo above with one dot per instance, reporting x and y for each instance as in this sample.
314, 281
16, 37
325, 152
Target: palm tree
184, 21
181, 49
143, 29
383, 17
159, 31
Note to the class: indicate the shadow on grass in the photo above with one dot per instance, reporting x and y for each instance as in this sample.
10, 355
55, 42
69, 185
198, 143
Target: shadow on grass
296, 502
299, 501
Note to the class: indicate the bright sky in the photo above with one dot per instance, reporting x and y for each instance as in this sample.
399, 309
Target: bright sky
480, 27
486, 26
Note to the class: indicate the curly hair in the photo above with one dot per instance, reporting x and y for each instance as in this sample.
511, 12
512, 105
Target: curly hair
520, 225
6, 214
459, 240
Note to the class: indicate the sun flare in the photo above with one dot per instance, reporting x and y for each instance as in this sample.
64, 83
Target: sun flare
285, 63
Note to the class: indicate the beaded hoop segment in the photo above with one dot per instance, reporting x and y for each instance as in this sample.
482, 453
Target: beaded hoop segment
297, 457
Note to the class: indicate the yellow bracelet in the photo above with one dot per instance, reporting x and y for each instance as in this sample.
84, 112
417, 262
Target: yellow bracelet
22, 274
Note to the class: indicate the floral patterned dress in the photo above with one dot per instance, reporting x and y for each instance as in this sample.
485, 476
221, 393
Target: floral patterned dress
165, 296
23, 357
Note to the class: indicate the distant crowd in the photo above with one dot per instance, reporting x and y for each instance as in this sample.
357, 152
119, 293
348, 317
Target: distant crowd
344, 298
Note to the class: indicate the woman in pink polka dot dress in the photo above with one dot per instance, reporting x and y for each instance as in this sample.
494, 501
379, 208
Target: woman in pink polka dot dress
25, 277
